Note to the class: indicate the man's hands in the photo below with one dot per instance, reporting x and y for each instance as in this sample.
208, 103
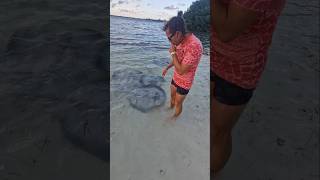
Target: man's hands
172, 48
165, 69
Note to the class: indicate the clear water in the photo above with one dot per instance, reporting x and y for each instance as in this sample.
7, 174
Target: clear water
141, 44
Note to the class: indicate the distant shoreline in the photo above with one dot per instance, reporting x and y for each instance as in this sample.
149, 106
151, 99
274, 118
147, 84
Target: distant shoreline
155, 20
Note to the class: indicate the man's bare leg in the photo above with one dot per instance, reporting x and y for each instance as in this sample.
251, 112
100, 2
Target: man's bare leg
178, 104
173, 90
222, 120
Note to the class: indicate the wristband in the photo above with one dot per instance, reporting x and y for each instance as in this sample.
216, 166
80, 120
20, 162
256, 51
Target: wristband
172, 53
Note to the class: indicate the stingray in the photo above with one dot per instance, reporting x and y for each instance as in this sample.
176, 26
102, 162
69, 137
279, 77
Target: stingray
147, 98
126, 80
149, 80
145, 92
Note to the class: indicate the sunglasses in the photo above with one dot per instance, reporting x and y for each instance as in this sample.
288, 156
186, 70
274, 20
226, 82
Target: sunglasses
169, 38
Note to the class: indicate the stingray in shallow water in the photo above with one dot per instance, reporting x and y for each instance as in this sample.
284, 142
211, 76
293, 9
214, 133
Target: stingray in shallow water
126, 80
147, 98
145, 92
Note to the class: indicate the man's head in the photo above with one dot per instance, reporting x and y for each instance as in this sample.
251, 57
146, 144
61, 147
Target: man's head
175, 29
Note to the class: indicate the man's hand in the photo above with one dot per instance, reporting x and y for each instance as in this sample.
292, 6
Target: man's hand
172, 48
164, 71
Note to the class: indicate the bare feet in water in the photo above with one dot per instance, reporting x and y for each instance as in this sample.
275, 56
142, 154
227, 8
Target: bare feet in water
171, 118
174, 117
170, 106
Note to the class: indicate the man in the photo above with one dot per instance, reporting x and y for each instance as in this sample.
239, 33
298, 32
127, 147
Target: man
241, 34
186, 50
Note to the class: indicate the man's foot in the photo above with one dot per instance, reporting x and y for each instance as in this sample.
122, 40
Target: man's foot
169, 120
174, 117
170, 106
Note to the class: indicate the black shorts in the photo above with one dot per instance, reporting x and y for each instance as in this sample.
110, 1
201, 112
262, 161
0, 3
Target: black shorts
228, 93
180, 90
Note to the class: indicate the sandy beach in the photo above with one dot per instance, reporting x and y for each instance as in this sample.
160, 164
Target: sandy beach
52, 56
52, 69
277, 137
149, 146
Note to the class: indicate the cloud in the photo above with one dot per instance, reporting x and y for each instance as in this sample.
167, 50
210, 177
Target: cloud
128, 11
137, 5
172, 7
119, 3
148, 4
181, 4
122, 2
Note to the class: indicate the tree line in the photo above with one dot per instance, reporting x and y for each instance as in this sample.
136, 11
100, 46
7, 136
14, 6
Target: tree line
197, 16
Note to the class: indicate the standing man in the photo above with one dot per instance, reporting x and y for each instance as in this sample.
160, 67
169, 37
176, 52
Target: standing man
241, 35
186, 50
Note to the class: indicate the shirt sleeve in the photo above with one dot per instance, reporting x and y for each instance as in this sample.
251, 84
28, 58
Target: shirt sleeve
193, 55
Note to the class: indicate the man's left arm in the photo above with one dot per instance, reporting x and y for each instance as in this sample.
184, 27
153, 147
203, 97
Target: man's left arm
191, 58
180, 67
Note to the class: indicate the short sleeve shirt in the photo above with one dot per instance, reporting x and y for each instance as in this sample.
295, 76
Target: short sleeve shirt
188, 52
242, 60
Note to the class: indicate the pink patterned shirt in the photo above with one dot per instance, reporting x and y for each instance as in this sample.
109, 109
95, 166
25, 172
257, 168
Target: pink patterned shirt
189, 52
242, 60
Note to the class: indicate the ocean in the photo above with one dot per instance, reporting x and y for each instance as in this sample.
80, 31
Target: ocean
139, 43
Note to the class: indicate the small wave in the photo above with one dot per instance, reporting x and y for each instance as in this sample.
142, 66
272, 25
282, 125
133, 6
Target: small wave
140, 44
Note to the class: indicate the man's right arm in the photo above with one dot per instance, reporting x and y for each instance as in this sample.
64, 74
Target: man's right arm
170, 65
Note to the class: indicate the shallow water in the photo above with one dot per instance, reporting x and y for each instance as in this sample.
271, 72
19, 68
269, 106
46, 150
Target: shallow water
139, 45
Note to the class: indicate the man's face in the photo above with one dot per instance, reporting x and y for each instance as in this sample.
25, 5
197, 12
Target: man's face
174, 38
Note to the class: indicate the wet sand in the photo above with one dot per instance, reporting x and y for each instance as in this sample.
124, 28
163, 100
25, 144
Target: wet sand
151, 146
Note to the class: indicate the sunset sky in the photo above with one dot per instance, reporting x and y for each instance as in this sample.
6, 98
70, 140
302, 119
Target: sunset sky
153, 9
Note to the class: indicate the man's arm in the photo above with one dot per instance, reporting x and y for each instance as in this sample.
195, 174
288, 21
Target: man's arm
230, 20
180, 68
170, 65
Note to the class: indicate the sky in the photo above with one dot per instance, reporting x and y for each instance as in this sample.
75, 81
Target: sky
152, 9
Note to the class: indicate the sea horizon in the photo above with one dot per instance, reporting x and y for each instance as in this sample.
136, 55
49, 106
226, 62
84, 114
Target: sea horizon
148, 19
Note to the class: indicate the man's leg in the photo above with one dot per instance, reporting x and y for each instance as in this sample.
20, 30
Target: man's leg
178, 104
173, 95
222, 119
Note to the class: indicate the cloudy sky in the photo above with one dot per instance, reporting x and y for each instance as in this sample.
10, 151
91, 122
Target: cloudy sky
153, 9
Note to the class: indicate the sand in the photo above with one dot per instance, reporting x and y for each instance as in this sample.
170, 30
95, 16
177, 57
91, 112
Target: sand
43, 81
277, 137
150, 146
52, 57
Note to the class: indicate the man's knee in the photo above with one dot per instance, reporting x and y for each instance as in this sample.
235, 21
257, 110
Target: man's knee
177, 103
